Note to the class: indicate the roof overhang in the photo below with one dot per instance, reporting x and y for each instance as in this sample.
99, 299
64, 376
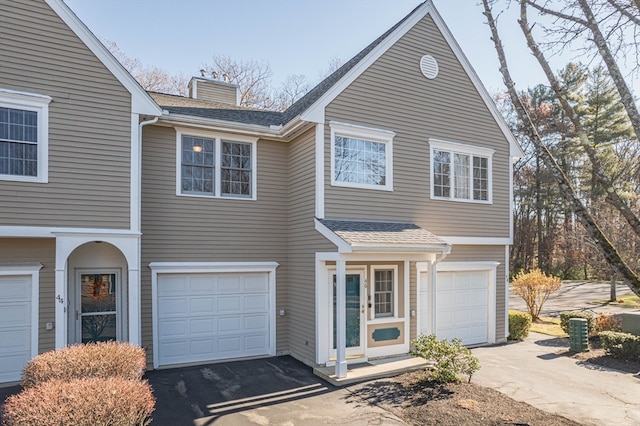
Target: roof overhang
281, 133
373, 237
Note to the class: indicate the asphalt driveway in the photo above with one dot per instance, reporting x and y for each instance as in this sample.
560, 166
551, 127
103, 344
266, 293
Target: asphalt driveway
269, 391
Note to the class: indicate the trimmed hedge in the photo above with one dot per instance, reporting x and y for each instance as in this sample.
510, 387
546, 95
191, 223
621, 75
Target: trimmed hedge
566, 316
104, 359
620, 345
519, 325
113, 401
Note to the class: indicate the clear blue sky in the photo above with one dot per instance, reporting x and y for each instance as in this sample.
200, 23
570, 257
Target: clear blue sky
294, 36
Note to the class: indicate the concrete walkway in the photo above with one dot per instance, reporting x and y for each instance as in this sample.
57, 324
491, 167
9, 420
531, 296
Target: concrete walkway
536, 372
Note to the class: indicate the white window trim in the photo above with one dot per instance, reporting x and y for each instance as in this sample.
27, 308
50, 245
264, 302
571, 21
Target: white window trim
372, 294
40, 104
370, 134
465, 149
217, 138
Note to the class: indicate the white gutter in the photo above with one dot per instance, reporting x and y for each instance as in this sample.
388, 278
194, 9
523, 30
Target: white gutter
212, 124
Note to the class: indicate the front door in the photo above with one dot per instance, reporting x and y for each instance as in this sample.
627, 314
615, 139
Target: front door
355, 312
97, 308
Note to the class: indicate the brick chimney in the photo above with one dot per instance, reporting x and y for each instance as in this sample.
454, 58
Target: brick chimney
214, 91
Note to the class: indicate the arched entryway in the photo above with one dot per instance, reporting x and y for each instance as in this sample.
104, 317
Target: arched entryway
105, 268
97, 294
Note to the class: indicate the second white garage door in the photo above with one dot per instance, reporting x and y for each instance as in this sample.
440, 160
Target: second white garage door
208, 317
462, 311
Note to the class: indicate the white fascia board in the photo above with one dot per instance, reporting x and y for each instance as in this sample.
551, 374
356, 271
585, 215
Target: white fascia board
279, 133
141, 102
315, 112
400, 248
216, 125
515, 150
343, 246
477, 241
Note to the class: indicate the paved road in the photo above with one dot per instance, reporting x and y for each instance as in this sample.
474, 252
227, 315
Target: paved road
538, 372
577, 296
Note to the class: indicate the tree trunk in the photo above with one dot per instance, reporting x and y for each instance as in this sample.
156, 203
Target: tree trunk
608, 250
612, 293
613, 197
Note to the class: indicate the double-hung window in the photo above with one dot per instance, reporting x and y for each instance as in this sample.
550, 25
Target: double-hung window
361, 157
384, 291
24, 143
216, 166
460, 172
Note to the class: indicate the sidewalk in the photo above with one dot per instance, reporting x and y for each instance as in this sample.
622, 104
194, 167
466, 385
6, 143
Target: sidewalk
536, 372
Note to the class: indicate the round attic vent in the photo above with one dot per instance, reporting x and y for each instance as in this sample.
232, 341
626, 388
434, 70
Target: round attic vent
429, 66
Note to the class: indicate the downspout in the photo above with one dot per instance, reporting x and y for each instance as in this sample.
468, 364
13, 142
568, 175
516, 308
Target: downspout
139, 189
135, 291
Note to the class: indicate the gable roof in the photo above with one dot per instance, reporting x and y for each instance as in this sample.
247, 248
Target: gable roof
311, 106
141, 102
371, 236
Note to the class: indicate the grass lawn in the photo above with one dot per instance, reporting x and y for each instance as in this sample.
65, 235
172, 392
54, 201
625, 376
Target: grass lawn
629, 301
549, 326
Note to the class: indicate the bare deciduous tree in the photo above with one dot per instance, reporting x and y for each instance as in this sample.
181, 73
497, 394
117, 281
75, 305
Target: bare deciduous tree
153, 79
597, 235
253, 77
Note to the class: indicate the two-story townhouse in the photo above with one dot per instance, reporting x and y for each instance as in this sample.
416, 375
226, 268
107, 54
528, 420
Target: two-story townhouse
375, 208
70, 118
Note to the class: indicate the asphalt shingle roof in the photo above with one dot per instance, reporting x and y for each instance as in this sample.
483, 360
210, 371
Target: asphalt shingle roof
184, 105
356, 232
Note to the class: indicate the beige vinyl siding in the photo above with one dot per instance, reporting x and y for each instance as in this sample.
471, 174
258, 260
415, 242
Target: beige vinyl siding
304, 241
16, 251
198, 229
89, 124
214, 92
496, 253
392, 94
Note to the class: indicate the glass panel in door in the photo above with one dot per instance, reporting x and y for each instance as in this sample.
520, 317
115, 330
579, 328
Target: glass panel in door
353, 310
97, 314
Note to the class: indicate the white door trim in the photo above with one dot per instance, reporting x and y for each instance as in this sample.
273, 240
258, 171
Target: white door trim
32, 270
158, 268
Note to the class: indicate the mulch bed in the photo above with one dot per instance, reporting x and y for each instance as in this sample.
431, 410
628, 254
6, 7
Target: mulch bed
419, 401
422, 402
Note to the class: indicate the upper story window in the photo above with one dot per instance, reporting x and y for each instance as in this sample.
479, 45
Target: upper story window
361, 157
216, 166
24, 143
460, 172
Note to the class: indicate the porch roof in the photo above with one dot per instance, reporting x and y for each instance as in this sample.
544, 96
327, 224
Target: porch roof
382, 236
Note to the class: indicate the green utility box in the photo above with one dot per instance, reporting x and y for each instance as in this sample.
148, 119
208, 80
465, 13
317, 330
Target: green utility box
578, 335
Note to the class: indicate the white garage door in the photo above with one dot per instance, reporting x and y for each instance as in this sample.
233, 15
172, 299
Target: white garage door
207, 317
462, 306
15, 326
